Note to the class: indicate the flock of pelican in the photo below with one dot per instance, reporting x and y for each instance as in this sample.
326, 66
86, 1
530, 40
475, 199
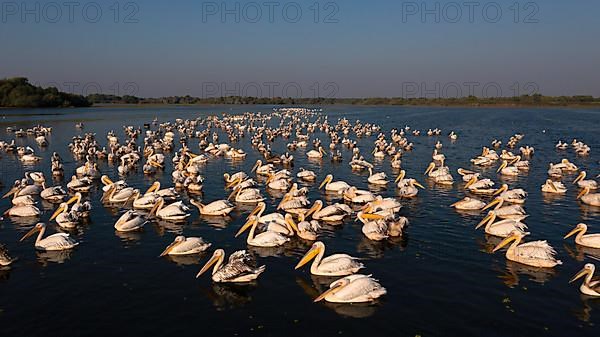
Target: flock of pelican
296, 217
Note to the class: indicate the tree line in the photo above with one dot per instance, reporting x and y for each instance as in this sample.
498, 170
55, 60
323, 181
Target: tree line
19, 93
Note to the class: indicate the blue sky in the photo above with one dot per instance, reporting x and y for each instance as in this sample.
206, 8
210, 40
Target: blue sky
332, 48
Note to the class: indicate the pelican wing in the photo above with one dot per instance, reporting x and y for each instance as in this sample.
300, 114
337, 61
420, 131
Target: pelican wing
536, 250
339, 262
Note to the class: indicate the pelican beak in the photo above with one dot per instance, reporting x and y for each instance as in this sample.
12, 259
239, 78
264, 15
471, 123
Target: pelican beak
308, 256
57, 212
290, 221
312, 209
504, 243
106, 181
501, 190
30, 233
254, 167
579, 177
254, 211
503, 166
72, 200
11, 192
325, 181
231, 195
416, 183
491, 204
582, 193
470, 182
372, 216
322, 151
575, 230
234, 182
329, 291
490, 217
207, 266
247, 225
429, 168
168, 249
400, 176
579, 275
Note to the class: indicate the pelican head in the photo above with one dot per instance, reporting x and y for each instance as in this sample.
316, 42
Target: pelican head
513, 236
37, 228
106, 180
328, 179
429, 168
400, 176
316, 248
219, 254
333, 288
588, 271
289, 219
471, 182
581, 227
490, 217
257, 165
159, 203
154, 187
61, 208
252, 221
317, 205
178, 240
259, 209
580, 177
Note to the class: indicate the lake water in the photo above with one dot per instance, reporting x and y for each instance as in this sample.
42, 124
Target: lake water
441, 277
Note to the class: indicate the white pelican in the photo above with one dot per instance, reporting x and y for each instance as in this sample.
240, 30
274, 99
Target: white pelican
592, 184
335, 212
534, 253
169, 194
217, 207
506, 170
483, 186
53, 193
23, 211
264, 239
356, 288
304, 229
377, 178
357, 196
555, 187
334, 265
65, 218
374, 228
383, 206
408, 189
186, 246
58, 241
82, 209
263, 219
122, 196
246, 195
333, 186
592, 199
467, 174
316, 153
588, 287
502, 228
241, 175
282, 184
261, 169
515, 196
130, 221
586, 240
22, 200
80, 184
306, 175
508, 211
241, 267
147, 201
176, 211
468, 204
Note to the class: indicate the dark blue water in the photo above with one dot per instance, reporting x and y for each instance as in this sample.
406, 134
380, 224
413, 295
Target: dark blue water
441, 277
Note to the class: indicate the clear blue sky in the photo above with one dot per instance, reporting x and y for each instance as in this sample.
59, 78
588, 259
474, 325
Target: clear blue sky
350, 49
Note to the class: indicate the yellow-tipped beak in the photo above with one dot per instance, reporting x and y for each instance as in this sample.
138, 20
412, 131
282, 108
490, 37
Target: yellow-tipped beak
327, 292
491, 204
582, 193
429, 168
416, 183
234, 182
57, 212
575, 230
579, 177
324, 183
470, 182
168, 249
489, 217
501, 190
28, 234
72, 200
579, 275
503, 243
247, 225
372, 216
207, 266
307, 257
